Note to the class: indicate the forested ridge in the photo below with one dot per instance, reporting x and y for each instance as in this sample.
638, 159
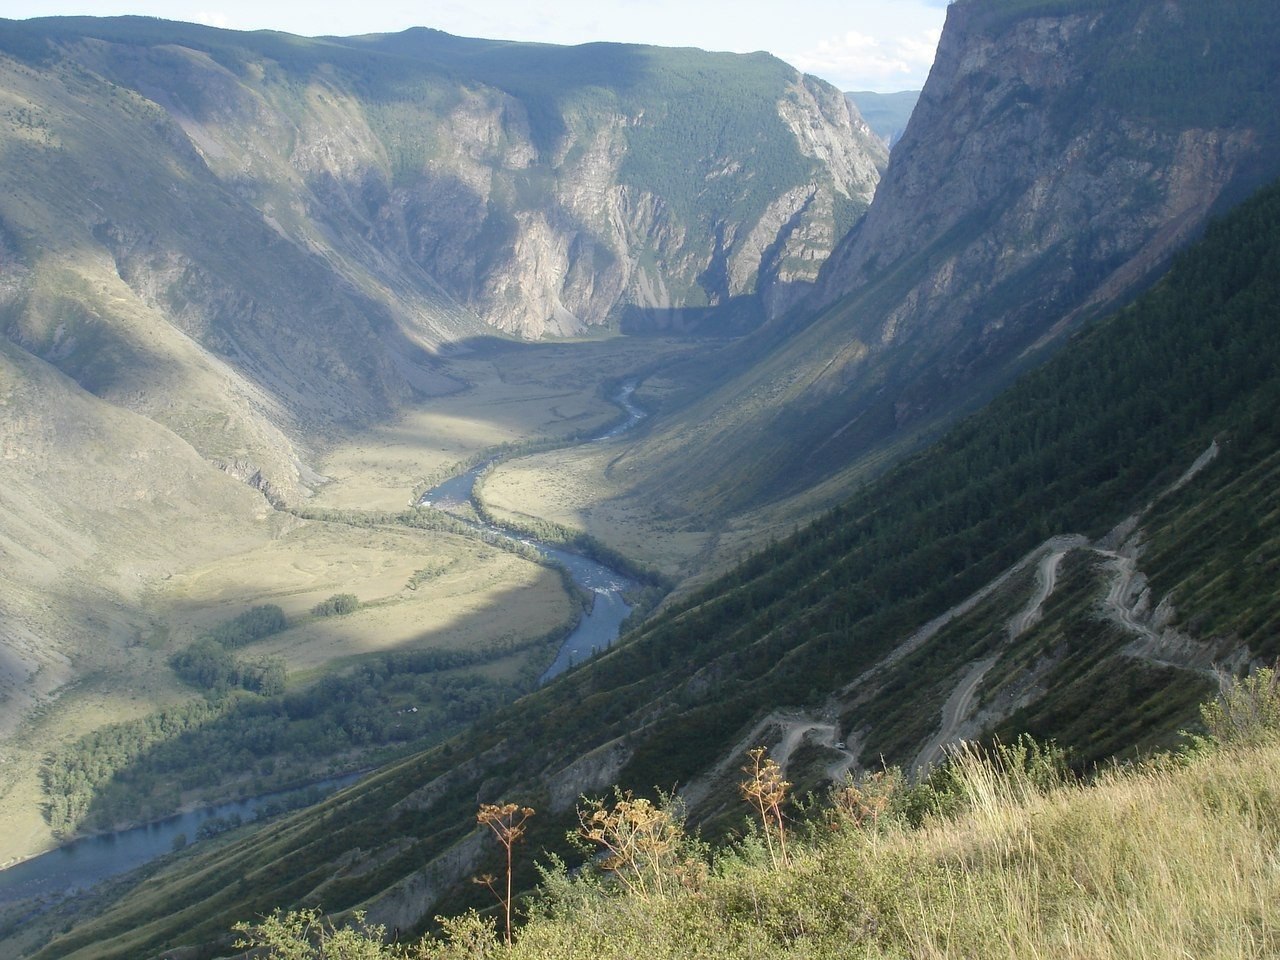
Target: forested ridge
1073, 447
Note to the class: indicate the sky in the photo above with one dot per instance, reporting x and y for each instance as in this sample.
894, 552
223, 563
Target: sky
880, 45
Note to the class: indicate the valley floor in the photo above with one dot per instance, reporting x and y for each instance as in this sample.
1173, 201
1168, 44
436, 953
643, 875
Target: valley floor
418, 589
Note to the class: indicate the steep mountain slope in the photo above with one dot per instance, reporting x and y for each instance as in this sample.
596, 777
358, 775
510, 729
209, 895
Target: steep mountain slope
89, 497
260, 241
666, 179
997, 569
1059, 154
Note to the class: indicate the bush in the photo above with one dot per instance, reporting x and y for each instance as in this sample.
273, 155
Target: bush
254, 624
306, 934
336, 606
1247, 711
209, 667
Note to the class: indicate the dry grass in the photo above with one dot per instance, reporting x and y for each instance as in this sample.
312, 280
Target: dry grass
584, 489
1177, 862
416, 589
572, 487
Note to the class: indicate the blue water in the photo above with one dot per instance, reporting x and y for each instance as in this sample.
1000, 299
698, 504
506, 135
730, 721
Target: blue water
599, 626
82, 863
456, 491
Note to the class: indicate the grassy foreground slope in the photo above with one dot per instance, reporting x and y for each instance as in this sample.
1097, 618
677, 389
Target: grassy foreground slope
1172, 859
1074, 448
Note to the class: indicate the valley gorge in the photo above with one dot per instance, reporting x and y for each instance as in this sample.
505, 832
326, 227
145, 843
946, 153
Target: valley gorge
249, 253
1053, 165
986, 454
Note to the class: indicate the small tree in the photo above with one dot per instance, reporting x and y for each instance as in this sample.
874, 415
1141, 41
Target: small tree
765, 790
507, 822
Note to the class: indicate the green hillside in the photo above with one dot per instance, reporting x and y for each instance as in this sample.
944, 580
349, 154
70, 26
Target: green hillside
1103, 432
699, 111
1002, 856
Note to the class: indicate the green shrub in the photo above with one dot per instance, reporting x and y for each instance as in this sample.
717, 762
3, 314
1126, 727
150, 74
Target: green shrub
254, 624
209, 667
1247, 711
338, 605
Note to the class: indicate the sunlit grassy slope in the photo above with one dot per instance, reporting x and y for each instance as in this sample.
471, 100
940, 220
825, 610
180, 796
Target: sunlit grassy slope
1176, 862
994, 857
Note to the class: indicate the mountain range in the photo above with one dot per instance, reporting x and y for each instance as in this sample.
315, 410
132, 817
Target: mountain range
1018, 408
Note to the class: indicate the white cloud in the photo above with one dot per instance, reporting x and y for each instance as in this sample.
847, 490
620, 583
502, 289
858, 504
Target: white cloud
858, 61
213, 18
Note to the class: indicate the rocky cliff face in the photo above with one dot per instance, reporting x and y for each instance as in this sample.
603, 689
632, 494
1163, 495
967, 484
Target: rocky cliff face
1019, 159
307, 222
1058, 157
547, 235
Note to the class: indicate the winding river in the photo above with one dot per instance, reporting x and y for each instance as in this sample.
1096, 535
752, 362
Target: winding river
599, 626
79, 865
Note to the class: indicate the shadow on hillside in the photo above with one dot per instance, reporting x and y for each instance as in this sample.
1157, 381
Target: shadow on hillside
383, 704
736, 317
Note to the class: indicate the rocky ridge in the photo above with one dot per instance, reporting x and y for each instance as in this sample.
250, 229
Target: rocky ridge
311, 222
1053, 165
